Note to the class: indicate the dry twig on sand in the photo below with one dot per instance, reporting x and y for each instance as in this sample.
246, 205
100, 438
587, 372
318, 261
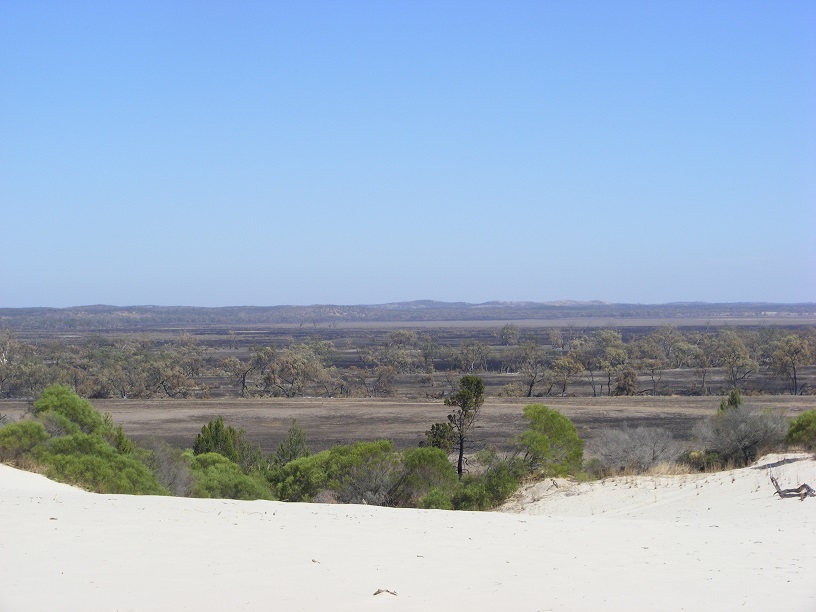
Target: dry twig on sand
802, 491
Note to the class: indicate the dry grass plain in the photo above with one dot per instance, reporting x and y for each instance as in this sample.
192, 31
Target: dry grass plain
329, 421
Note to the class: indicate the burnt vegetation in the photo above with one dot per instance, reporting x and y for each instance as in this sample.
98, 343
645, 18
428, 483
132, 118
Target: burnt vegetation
410, 350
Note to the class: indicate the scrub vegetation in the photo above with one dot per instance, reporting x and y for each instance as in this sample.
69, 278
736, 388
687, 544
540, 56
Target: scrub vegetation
403, 352
487, 375
66, 438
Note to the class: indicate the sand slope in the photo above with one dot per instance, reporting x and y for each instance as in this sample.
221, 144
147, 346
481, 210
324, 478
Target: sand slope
711, 542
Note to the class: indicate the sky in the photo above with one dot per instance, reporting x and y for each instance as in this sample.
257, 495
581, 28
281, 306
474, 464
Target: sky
263, 153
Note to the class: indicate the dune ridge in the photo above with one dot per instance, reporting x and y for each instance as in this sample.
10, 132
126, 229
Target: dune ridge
692, 542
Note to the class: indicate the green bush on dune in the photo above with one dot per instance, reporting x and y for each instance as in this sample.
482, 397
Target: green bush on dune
74, 443
215, 437
356, 473
551, 443
89, 461
216, 476
18, 439
80, 413
802, 430
423, 470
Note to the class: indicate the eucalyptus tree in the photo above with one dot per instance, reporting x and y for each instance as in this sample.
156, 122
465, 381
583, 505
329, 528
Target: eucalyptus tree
465, 404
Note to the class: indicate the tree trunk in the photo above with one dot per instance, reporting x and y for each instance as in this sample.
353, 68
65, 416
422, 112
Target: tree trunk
460, 464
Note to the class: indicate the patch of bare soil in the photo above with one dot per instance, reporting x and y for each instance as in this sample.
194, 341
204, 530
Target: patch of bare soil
330, 421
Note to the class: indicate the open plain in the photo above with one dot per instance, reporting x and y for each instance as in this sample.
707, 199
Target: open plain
330, 421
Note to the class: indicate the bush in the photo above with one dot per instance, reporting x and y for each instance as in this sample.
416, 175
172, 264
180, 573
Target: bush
423, 470
471, 495
218, 477
292, 447
362, 472
490, 488
734, 400
437, 499
639, 448
115, 435
702, 460
89, 461
57, 424
170, 467
593, 469
229, 442
61, 400
740, 433
551, 443
441, 436
17, 439
802, 430
77, 444
371, 481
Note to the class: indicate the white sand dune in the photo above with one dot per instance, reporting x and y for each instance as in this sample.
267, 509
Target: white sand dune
707, 542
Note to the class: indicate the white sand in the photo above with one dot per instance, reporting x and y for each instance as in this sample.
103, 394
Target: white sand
715, 542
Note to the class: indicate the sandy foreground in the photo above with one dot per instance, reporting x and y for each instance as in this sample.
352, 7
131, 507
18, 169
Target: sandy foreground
696, 542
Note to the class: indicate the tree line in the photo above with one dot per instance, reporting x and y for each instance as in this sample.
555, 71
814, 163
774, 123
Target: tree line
516, 362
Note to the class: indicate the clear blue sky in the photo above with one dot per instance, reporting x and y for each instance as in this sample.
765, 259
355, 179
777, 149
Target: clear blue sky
261, 153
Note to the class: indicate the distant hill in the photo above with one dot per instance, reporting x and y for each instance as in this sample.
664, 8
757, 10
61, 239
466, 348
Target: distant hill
104, 317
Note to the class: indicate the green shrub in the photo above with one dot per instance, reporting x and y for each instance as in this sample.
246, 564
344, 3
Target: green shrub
471, 495
292, 447
501, 481
441, 436
218, 477
734, 400
89, 461
216, 438
17, 439
802, 430
423, 469
362, 472
490, 488
57, 424
62, 401
437, 498
229, 442
121, 442
551, 443
301, 479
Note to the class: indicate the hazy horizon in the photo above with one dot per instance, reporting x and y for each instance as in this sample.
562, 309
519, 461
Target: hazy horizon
564, 303
367, 153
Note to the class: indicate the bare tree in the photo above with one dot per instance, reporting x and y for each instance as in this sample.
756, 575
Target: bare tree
530, 359
732, 355
472, 356
509, 335
792, 352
